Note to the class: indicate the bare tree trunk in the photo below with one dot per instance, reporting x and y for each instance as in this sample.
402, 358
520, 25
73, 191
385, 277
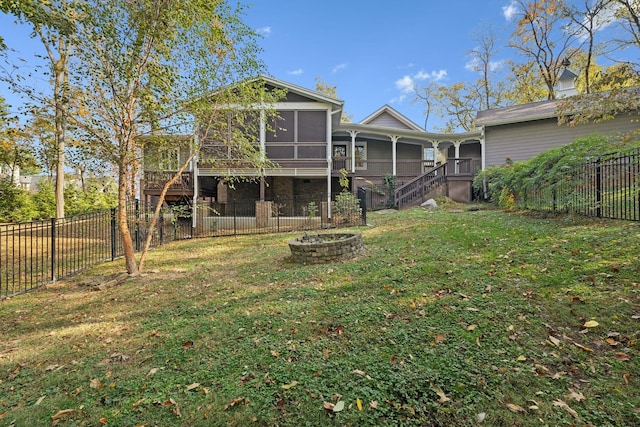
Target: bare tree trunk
127, 241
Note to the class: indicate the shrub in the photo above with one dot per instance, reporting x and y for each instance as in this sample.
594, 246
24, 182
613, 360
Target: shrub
15, 203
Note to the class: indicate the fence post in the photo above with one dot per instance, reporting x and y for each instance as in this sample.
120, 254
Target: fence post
362, 195
161, 228
598, 188
53, 249
113, 234
137, 229
235, 217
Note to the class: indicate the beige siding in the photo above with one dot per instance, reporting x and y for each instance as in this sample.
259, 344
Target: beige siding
522, 141
386, 120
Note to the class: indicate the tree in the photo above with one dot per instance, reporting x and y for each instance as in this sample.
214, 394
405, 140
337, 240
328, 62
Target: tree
332, 92
542, 36
526, 84
54, 24
15, 155
458, 103
587, 21
483, 61
154, 66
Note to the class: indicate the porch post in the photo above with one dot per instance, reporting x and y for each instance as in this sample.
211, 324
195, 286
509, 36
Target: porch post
263, 150
456, 146
353, 134
196, 190
394, 154
329, 161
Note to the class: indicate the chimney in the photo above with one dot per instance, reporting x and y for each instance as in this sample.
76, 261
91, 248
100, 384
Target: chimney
566, 82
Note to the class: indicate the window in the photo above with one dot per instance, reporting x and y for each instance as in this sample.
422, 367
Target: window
361, 155
312, 126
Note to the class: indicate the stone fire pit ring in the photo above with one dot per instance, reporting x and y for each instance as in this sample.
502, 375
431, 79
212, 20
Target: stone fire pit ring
326, 248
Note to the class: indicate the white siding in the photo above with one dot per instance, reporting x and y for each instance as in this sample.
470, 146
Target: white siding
522, 141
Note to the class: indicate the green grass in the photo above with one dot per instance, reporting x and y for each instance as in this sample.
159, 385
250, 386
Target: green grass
447, 317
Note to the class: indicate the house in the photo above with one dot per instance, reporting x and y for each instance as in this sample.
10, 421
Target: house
311, 147
520, 132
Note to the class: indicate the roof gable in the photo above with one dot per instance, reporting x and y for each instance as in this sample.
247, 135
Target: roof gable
299, 94
387, 117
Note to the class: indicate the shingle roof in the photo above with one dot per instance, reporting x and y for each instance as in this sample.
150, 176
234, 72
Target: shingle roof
517, 113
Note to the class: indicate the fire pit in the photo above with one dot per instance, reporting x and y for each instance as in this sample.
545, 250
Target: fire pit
325, 248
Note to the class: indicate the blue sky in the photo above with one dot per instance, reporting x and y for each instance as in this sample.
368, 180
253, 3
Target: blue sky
372, 52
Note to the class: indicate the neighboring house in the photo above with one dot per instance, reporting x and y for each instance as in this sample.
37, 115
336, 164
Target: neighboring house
521, 132
311, 147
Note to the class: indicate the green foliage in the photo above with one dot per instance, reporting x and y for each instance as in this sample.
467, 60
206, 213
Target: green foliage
505, 184
346, 206
95, 196
45, 200
15, 203
390, 185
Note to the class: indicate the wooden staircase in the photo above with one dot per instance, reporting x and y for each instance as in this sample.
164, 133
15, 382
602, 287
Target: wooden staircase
414, 192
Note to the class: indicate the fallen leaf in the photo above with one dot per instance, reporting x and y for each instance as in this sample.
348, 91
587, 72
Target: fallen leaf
555, 341
612, 342
480, 417
187, 344
152, 371
521, 358
563, 404
39, 401
373, 404
328, 406
583, 347
471, 327
591, 324
576, 395
103, 421
192, 386
440, 338
359, 372
63, 413
274, 353
95, 383
440, 393
359, 404
515, 408
622, 356
339, 406
235, 401
290, 385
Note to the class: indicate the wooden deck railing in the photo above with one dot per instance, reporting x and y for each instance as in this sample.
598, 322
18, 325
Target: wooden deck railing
418, 187
156, 180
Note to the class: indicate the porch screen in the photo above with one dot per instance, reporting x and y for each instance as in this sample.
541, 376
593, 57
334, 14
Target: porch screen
282, 128
312, 151
312, 126
279, 151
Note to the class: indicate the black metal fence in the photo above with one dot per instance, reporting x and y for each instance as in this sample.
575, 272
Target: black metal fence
608, 187
35, 253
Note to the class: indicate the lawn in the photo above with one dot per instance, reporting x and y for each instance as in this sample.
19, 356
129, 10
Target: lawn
450, 318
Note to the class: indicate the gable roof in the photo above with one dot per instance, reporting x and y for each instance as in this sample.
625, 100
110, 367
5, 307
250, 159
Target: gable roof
517, 113
312, 94
386, 116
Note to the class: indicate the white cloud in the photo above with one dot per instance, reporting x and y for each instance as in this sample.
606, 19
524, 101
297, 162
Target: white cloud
407, 83
474, 65
296, 72
265, 31
339, 67
510, 11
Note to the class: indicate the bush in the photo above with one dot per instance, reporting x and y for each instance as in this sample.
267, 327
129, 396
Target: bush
507, 185
15, 203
